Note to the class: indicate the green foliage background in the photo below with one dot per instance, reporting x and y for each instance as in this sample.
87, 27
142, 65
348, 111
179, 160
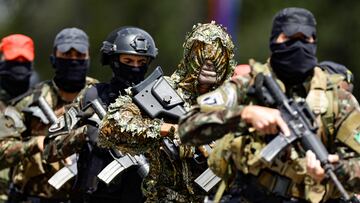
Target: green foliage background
168, 21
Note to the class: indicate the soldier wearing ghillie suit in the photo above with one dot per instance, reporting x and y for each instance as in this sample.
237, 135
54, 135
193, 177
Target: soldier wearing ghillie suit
22, 147
208, 53
294, 175
207, 63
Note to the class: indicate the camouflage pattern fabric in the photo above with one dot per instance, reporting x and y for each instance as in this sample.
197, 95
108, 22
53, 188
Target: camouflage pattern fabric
205, 41
67, 142
31, 173
210, 121
7, 128
210, 34
128, 129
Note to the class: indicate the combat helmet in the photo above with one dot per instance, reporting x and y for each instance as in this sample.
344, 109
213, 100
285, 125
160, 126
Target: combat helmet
128, 40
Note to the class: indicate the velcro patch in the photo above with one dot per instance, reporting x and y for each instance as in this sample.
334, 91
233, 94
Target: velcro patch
357, 137
214, 98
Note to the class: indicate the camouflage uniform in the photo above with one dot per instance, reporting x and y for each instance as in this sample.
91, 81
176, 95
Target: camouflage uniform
19, 146
335, 110
4, 172
130, 130
185, 76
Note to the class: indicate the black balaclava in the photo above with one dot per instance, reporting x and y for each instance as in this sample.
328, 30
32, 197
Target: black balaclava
126, 76
15, 76
70, 74
293, 61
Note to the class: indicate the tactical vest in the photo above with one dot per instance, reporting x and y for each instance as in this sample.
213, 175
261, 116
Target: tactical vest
289, 179
33, 166
92, 159
31, 175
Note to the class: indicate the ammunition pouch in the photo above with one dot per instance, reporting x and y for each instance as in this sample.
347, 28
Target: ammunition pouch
30, 167
276, 184
267, 187
348, 131
12, 125
217, 161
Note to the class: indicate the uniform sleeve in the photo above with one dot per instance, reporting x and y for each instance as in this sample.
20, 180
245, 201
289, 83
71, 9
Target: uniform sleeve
63, 144
125, 122
12, 147
216, 114
348, 140
13, 150
63, 139
349, 174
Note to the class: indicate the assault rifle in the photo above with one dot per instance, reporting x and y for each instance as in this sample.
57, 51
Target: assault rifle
301, 122
120, 162
159, 100
207, 180
94, 112
42, 110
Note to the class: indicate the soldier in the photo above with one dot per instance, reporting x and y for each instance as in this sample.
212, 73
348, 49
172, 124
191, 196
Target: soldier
207, 62
23, 149
128, 51
292, 176
17, 55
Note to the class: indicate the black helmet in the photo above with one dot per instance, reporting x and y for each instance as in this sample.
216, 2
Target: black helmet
128, 40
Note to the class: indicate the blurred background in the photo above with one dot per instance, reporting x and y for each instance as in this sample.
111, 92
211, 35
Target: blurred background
248, 21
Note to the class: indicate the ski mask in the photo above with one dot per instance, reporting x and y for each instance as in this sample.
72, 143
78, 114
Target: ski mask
128, 75
293, 60
15, 76
70, 74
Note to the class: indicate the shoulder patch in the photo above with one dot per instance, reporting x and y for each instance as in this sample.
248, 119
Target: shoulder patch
215, 98
357, 138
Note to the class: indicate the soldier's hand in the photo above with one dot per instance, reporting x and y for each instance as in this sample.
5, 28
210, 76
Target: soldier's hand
60, 111
166, 127
265, 120
40, 142
313, 166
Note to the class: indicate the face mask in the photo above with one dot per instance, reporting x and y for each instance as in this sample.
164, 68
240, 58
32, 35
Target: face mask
207, 77
129, 75
70, 74
15, 77
293, 61
16, 70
